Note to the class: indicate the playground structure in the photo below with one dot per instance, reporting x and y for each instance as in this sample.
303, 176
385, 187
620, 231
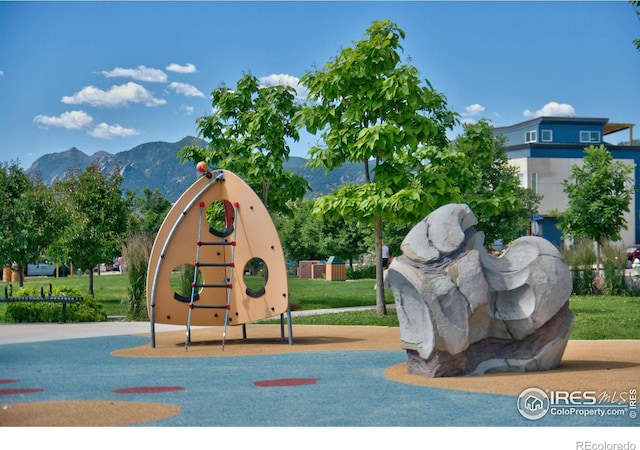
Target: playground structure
220, 235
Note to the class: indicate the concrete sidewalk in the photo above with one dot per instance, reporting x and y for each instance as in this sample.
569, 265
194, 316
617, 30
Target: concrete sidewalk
41, 332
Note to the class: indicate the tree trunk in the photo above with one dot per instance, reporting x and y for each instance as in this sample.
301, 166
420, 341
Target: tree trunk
20, 276
381, 305
91, 282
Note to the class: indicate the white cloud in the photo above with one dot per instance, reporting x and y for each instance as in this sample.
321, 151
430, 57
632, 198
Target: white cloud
473, 110
80, 120
1, 72
186, 89
116, 97
71, 120
552, 109
140, 73
188, 110
285, 80
187, 68
106, 131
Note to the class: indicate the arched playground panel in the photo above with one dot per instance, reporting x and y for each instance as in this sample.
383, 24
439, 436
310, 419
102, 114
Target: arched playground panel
233, 263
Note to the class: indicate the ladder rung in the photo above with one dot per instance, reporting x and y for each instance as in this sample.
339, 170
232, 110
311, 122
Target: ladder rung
228, 285
200, 264
194, 306
232, 243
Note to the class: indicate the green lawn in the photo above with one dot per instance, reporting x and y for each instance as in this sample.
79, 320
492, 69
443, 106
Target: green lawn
595, 317
604, 317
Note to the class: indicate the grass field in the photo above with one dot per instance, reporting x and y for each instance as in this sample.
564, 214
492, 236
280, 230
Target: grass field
595, 317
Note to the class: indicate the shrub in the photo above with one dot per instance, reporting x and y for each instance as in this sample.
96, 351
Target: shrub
87, 310
365, 272
581, 259
614, 261
581, 254
136, 252
583, 281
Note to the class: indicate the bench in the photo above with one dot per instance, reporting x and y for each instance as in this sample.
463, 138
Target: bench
49, 298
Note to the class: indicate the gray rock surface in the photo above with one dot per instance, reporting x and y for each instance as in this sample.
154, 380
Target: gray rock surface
463, 311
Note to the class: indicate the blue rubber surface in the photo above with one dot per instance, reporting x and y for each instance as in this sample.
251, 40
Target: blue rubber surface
351, 389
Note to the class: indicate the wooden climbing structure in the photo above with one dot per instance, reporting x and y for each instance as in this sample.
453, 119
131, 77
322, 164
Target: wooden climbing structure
235, 265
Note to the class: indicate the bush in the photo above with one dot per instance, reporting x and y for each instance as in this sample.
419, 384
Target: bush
583, 281
614, 261
136, 253
366, 272
87, 310
581, 254
581, 259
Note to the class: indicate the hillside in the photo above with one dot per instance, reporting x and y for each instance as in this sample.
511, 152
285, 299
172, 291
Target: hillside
155, 165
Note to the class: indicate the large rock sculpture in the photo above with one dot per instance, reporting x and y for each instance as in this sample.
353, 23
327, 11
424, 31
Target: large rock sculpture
465, 312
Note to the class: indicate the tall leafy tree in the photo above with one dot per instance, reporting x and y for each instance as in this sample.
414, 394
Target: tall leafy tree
599, 194
98, 215
307, 236
248, 134
371, 108
502, 206
27, 224
300, 232
150, 209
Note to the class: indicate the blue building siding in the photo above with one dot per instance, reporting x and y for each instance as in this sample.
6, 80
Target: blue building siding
566, 143
564, 130
549, 231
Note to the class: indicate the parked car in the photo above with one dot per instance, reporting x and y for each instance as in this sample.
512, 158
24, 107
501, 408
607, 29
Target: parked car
46, 269
632, 253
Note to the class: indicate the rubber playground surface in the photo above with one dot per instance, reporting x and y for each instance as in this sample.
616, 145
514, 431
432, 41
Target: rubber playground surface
106, 375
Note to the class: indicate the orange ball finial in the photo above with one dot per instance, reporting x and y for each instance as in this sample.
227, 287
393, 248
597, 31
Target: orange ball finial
202, 167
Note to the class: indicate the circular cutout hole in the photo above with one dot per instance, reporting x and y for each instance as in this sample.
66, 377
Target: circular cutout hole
255, 275
182, 278
220, 218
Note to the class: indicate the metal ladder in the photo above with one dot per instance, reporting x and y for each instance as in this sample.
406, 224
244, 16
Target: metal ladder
227, 283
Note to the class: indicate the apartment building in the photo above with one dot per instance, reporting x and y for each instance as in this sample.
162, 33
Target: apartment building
545, 148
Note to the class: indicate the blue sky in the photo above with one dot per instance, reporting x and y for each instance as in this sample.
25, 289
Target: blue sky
113, 75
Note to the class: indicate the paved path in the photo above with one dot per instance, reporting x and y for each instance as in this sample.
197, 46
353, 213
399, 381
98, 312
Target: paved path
40, 332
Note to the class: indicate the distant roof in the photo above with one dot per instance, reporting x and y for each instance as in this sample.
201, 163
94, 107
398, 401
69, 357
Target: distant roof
552, 119
608, 128
615, 127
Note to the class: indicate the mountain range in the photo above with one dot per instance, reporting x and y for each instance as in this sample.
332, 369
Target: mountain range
156, 165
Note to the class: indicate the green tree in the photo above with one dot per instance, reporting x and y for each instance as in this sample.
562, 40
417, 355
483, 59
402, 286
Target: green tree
149, 210
372, 109
307, 236
26, 217
300, 232
636, 7
97, 217
599, 194
248, 132
345, 238
501, 204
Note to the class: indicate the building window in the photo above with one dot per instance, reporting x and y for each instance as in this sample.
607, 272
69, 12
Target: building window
534, 182
546, 135
521, 179
531, 136
589, 136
